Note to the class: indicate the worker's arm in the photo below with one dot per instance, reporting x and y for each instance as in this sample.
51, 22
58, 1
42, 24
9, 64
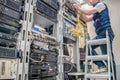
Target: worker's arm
85, 11
98, 8
87, 18
88, 12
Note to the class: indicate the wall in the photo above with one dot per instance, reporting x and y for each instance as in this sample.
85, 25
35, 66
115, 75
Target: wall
115, 21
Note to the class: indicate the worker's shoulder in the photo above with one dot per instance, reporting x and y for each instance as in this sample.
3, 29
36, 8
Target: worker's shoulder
101, 4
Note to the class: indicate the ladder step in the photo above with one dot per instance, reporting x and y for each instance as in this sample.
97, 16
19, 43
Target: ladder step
97, 57
76, 74
97, 41
98, 76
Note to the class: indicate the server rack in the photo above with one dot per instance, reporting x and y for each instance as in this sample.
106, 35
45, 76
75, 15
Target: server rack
66, 64
11, 27
41, 43
49, 15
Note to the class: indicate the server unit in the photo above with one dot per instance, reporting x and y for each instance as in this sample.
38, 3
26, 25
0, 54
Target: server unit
69, 11
10, 17
47, 11
13, 4
43, 62
9, 21
9, 12
52, 3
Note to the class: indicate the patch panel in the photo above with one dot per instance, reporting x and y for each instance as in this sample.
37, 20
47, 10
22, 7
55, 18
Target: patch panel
45, 9
45, 39
7, 43
43, 70
40, 45
13, 4
35, 69
9, 21
69, 8
39, 51
9, 12
49, 57
48, 74
52, 3
8, 37
8, 52
8, 29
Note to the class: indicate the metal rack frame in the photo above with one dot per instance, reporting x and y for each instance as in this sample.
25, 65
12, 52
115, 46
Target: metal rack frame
24, 42
76, 56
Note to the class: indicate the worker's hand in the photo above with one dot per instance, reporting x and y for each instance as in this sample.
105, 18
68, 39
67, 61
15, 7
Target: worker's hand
76, 6
69, 28
34, 61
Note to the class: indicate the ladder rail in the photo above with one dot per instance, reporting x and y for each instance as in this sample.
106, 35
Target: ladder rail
86, 61
91, 55
108, 58
108, 53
